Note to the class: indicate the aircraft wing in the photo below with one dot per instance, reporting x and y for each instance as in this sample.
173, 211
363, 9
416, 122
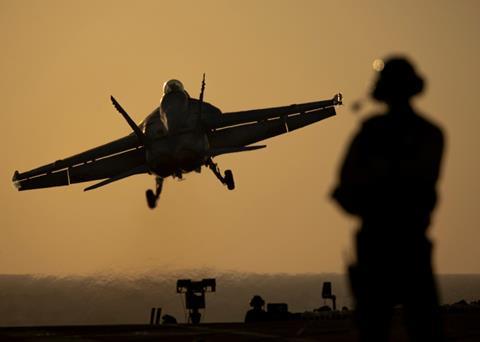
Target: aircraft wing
255, 115
243, 128
124, 156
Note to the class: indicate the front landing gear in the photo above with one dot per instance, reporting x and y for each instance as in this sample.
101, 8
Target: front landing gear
226, 179
152, 197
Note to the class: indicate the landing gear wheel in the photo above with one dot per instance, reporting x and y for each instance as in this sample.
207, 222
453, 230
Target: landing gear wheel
151, 199
229, 180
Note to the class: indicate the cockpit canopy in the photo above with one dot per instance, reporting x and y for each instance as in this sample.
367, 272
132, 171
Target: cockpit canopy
171, 86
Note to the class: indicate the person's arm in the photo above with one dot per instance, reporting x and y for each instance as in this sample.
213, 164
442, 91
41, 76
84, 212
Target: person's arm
352, 177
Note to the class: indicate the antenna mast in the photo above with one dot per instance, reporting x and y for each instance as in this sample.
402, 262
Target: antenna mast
202, 91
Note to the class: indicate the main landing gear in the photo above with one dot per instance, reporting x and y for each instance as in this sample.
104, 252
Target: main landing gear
226, 179
152, 197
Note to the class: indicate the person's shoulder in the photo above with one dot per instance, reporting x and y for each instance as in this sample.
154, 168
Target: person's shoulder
374, 122
429, 126
374, 118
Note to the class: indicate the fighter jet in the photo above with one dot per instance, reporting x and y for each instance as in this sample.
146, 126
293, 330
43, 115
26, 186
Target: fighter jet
180, 136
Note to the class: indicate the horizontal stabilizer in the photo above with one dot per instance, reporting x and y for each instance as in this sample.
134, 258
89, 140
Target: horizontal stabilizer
218, 151
134, 171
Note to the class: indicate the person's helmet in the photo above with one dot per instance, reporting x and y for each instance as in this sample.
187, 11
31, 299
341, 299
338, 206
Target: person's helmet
257, 301
172, 85
397, 80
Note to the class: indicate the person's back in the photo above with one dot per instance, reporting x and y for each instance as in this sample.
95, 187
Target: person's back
255, 315
392, 168
388, 179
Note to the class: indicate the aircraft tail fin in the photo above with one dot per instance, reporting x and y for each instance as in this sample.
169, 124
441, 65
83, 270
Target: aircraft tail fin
138, 132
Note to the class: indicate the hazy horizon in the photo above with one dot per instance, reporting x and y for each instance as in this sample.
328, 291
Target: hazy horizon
162, 272
120, 299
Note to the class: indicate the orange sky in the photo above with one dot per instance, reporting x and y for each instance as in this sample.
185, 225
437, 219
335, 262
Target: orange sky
61, 60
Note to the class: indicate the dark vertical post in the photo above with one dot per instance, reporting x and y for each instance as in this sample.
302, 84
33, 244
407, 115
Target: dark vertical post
327, 290
157, 317
152, 315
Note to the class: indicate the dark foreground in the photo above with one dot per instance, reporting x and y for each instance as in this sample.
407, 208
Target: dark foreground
458, 327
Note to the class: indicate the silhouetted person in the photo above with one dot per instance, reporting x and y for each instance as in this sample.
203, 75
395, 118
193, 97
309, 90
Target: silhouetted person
256, 313
388, 180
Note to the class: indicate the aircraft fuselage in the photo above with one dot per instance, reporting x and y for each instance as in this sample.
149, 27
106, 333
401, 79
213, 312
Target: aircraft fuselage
178, 142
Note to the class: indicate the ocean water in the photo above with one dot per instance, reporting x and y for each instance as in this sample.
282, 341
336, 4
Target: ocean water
121, 299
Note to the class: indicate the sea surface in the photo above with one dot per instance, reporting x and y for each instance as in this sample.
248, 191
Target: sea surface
120, 299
